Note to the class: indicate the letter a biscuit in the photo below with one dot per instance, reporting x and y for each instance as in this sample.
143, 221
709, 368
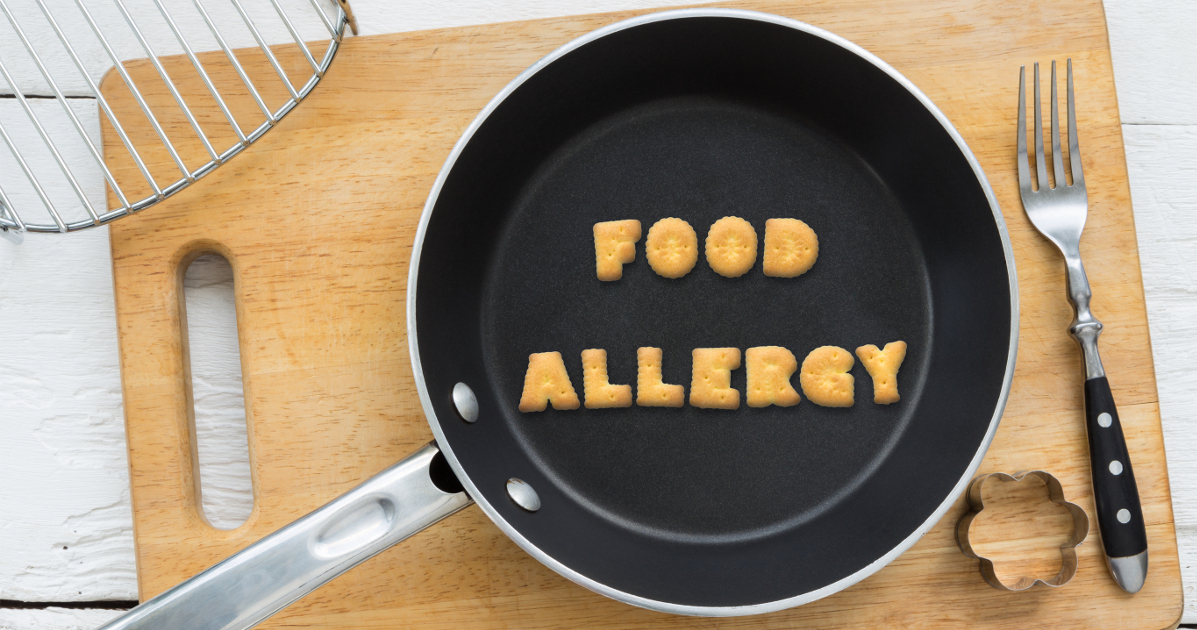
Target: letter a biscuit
547, 381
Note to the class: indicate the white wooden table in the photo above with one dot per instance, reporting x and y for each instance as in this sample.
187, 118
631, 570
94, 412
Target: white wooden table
66, 543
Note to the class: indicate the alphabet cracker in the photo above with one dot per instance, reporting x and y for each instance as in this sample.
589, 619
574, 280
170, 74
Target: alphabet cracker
547, 381
731, 247
600, 393
650, 390
711, 384
882, 366
614, 246
769, 371
671, 248
791, 248
825, 379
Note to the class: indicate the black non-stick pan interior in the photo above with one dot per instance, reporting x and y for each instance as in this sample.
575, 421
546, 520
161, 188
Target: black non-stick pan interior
701, 118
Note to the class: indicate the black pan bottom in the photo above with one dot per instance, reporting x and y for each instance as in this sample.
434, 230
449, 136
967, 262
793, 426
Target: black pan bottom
690, 473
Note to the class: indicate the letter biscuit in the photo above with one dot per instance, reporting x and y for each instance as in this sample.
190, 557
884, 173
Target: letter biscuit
547, 381
650, 390
614, 246
600, 393
731, 247
711, 384
825, 379
882, 366
791, 248
769, 370
671, 248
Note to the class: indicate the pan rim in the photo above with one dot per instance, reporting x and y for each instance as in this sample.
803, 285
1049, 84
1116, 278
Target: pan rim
587, 582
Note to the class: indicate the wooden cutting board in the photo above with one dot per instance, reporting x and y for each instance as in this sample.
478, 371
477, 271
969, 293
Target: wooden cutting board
318, 220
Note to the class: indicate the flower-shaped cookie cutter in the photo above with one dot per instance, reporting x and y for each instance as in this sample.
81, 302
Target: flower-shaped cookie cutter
1080, 530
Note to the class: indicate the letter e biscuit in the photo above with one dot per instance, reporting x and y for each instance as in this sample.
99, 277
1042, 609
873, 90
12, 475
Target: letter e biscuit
711, 385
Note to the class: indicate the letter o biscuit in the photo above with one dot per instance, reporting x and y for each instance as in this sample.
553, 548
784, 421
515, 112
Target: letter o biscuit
731, 247
671, 247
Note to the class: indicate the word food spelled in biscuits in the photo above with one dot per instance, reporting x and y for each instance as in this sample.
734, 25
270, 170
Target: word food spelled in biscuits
825, 378
791, 247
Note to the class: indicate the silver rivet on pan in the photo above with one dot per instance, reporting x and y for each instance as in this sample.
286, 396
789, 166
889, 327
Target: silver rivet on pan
1124, 515
465, 401
1116, 467
523, 494
1105, 420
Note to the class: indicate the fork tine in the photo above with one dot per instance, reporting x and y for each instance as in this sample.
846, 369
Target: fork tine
1024, 168
1040, 161
1057, 159
1074, 148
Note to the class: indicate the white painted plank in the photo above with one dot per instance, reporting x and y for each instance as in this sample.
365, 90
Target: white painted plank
1154, 54
65, 523
54, 618
1163, 167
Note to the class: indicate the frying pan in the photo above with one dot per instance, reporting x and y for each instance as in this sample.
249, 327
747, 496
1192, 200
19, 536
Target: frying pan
696, 114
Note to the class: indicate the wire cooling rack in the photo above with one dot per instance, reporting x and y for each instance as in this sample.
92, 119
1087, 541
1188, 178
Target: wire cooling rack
70, 42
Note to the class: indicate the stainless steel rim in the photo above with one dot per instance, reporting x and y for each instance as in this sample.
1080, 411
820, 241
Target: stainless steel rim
598, 587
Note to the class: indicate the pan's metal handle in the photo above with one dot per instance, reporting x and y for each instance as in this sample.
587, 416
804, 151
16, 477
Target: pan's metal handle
265, 577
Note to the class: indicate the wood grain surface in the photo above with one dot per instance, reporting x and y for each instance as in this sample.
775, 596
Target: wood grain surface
318, 218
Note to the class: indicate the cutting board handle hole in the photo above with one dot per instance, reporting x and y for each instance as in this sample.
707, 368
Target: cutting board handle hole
216, 391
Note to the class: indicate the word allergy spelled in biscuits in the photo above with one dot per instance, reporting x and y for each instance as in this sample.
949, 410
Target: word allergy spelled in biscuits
824, 376
791, 247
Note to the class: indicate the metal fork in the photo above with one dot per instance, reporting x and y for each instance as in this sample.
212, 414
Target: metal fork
1059, 214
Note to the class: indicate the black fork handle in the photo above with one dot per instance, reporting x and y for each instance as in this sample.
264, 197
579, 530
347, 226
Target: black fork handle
1119, 514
